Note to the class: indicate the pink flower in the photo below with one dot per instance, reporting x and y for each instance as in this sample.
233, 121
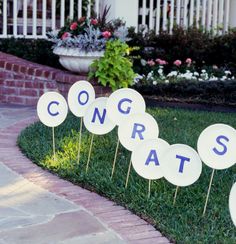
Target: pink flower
188, 61
177, 62
73, 26
151, 62
81, 19
65, 35
94, 21
106, 34
161, 62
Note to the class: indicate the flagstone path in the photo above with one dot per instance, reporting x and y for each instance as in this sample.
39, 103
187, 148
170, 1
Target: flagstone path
38, 207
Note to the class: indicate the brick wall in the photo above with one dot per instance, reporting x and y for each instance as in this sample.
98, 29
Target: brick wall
23, 82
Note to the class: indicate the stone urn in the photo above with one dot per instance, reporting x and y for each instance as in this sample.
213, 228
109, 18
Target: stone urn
76, 60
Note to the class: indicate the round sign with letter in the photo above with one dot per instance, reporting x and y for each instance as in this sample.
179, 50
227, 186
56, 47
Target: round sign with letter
232, 203
124, 102
137, 128
80, 96
146, 158
216, 146
96, 120
52, 109
181, 165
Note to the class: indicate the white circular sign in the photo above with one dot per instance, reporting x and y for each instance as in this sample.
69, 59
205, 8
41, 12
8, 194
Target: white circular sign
80, 96
137, 128
181, 165
96, 120
216, 146
124, 102
232, 203
146, 158
52, 109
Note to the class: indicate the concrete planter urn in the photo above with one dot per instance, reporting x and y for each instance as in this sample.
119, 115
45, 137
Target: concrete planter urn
76, 60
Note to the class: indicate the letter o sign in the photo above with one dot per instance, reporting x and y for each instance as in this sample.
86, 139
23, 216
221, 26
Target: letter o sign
216, 146
52, 109
80, 96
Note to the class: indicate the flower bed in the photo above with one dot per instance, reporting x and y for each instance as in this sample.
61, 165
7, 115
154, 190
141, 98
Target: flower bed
184, 81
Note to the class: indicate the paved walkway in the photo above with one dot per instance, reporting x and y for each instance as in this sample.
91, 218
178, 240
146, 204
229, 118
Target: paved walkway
38, 207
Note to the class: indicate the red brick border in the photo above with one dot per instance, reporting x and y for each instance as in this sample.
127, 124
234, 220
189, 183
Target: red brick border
129, 226
23, 82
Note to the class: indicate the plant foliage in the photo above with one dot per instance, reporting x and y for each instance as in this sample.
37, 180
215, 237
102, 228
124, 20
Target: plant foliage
114, 69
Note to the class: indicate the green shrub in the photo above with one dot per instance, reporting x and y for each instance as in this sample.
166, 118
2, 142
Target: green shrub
214, 92
38, 51
193, 43
114, 69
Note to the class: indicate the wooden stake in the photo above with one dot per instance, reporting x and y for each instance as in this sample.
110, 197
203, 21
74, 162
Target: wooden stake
115, 157
89, 155
53, 144
149, 188
80, 135
176, 192
208, 192
128, 174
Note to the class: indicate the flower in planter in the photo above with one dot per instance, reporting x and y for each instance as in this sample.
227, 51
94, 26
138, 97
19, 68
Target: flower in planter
94, 21
85, 34
106, 34
73, 26
65, 35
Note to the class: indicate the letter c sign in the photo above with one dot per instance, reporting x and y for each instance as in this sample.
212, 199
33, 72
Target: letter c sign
52, 109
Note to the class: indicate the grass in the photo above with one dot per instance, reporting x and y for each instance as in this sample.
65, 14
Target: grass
183, 222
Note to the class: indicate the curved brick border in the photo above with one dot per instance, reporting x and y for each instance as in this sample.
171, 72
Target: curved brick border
23, 82
129, 226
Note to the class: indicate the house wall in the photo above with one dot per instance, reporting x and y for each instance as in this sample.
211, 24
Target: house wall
124, 9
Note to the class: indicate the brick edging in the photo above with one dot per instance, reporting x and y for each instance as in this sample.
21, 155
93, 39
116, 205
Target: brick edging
129, 226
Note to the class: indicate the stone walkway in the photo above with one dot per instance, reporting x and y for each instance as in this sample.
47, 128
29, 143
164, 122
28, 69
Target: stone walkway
38, 207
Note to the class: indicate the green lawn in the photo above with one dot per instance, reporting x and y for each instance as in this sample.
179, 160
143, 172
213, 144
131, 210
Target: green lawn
183, 222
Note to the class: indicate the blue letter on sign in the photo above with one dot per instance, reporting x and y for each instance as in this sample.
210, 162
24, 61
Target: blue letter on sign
127, 111
138, 128
218, 140
152, 157
182, 160
101, 118
86, 99
49, 106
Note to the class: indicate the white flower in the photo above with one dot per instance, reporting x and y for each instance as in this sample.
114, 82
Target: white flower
203, 71
160, 71
143, 62
227, 72
172, 73
167, 81
196, 73
223, 78
154, 82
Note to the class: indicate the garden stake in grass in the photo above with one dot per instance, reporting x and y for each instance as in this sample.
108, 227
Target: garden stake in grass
175, 196
53, 144
128, 174
90, 151
149, 188
208, 192
115, 157
80, 135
